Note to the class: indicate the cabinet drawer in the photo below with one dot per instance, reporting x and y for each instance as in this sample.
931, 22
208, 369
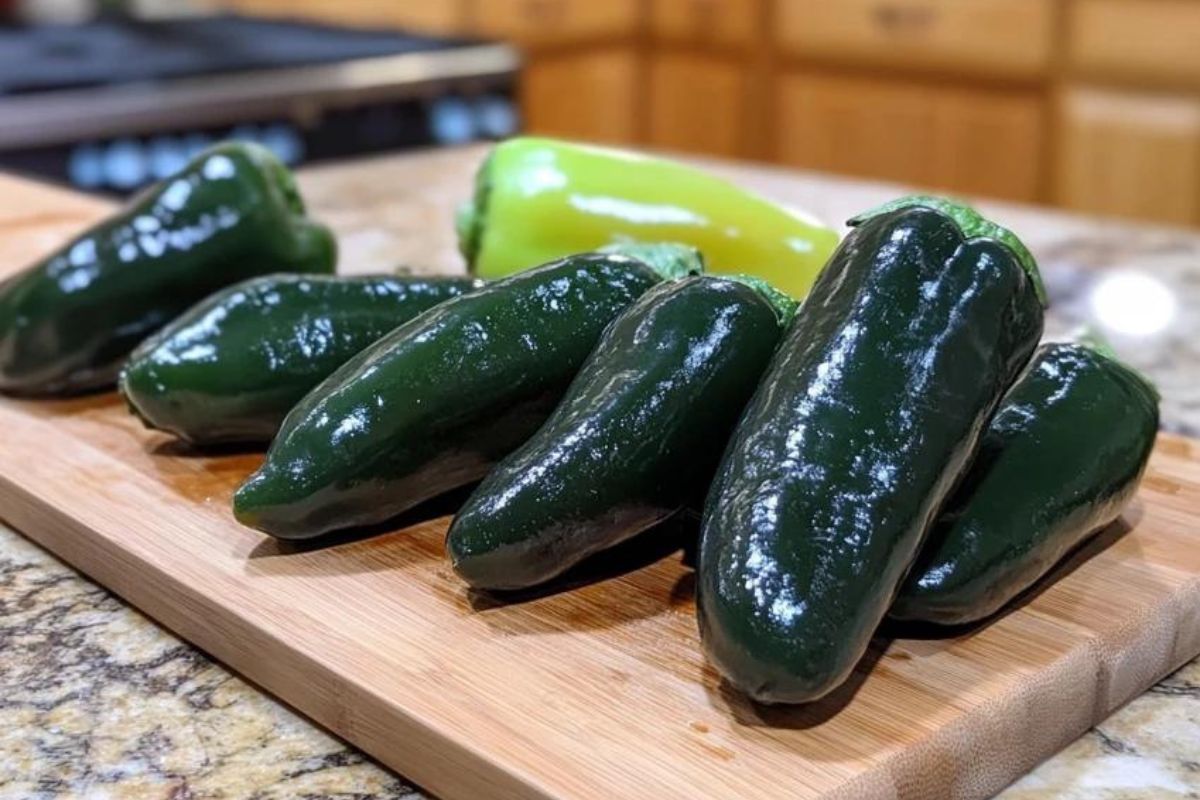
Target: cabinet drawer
1155, 39
1006, 37
447, 17
1130, 155
971, 141
554, 21
729, 22
442, 17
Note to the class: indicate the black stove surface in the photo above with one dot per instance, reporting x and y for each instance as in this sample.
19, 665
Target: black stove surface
107, 52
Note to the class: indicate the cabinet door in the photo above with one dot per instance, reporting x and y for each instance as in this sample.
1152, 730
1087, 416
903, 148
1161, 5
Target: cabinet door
724, 22
989, 143
1130, 155
697, 104
589, 95
985, 142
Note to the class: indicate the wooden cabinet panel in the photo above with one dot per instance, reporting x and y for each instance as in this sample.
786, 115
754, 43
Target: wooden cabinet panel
440, 17
697, 104
726, 22
1130, 155
855, 127
975, 142
989, 143
443, 16
554, 21
1010, 37
1154, 39
586, 96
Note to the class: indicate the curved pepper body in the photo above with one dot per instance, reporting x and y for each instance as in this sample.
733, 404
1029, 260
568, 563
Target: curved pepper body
639, 428
540, 199
68, 321
433, 404
1061, 458
871, 409
231, 367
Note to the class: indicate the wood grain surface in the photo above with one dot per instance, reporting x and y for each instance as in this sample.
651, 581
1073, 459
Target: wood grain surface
599, 692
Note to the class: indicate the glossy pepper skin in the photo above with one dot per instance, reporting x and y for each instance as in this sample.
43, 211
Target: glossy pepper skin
1060, 460
869, 412
231, 367
68, 322
540, 199
432, 405
639, 428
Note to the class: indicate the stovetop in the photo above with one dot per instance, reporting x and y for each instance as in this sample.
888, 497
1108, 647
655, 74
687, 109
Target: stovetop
110, 52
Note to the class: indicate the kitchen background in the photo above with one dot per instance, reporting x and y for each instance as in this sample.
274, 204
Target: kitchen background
1088, 105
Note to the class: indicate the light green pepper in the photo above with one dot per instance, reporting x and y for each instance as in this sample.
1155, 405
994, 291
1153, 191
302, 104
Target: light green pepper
541, 199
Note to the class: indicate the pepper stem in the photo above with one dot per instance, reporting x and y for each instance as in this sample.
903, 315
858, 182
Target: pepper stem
668, 259
784, 304
973, 226
470, 216
1092, 339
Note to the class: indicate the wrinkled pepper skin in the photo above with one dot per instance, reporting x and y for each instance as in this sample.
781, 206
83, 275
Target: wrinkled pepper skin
68, 322
435, 403
231, 367
1060, 460
540, 199
639, 428
869, 412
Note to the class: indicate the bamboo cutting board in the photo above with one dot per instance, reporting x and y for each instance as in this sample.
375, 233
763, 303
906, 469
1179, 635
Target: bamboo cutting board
600, 692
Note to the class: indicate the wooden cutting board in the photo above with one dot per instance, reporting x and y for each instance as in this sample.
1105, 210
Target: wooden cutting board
600, 692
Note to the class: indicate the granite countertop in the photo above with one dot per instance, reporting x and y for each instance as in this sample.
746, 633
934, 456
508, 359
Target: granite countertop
98, 701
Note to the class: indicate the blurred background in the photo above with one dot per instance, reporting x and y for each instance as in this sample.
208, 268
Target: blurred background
1089, 105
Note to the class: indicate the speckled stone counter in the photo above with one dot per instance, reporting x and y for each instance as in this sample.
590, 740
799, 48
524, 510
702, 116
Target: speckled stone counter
96, 701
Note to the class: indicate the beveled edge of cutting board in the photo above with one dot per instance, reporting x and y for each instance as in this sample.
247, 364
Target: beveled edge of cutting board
434, 758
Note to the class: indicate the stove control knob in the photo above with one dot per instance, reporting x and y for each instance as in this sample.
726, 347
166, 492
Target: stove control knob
193, 143
167, 156
451, 121
125, 164
85, 166
497, 116
285, 142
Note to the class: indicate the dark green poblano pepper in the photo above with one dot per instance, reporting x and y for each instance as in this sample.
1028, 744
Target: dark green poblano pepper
1061, 459
231, 367
639, 429
435, 403
869, 413
68, 321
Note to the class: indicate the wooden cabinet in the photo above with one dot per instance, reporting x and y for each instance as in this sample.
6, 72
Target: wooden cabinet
706, 77
445, 16
720, 22
1130, 154
697, 103
975, 141
442, 16
554, 21
580, 64
1008, 37
1149, 40
589, 95
948, 94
